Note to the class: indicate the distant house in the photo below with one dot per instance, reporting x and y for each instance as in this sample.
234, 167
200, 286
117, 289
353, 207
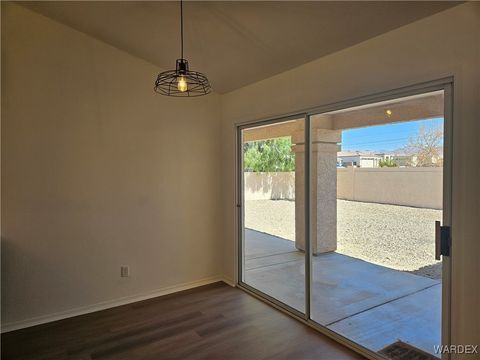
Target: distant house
385, 156
408, 160
405, 160
358, 159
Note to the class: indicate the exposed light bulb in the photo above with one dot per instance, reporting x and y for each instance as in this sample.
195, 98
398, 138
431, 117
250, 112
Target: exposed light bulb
182, 84
388, 112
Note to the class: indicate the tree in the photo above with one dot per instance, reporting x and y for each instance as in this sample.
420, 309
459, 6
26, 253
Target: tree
426, 148
271, 155
388, 163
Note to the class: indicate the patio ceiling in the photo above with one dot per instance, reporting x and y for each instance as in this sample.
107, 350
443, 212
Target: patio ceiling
423, 106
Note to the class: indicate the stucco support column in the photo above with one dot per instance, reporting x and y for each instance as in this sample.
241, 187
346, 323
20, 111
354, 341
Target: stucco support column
323, 188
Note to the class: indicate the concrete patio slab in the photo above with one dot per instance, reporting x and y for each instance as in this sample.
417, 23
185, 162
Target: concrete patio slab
259, 244
370, 304
414, 319
344, 286
274, 259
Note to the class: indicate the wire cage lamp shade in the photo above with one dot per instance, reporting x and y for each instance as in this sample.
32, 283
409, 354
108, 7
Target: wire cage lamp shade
182, 82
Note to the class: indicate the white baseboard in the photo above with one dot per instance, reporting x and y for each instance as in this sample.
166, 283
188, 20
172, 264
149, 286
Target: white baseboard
16, 325
229, 281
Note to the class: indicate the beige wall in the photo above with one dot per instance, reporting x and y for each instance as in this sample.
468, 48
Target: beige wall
96, 173
419, 187
91, 151
445, 44
271, 185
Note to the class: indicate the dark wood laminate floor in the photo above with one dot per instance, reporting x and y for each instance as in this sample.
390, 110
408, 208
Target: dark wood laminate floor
210, 322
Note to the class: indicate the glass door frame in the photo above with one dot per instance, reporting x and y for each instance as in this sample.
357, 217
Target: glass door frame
240, 201
445, 84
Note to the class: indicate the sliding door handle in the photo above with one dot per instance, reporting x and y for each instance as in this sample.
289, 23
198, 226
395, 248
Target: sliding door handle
437, 240
442, 240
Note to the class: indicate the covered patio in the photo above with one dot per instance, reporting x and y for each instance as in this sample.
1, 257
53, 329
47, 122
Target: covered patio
370, 304
374, 277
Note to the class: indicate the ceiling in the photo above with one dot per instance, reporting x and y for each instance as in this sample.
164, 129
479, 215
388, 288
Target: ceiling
240, 42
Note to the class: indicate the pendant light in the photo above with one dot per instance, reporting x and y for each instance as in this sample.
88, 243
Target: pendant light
182, 82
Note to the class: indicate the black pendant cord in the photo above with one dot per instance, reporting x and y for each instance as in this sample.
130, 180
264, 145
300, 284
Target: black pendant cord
182, 81
181, 25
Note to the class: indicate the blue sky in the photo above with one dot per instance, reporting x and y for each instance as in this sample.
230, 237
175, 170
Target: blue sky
384, 137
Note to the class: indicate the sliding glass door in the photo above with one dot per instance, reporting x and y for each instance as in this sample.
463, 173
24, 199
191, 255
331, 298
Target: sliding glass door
360, 250
272, 178
377, 191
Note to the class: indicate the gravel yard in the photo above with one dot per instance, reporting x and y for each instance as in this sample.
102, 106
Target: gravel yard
398, 237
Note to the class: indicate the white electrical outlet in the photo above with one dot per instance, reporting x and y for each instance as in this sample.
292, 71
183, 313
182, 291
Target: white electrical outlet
124, 271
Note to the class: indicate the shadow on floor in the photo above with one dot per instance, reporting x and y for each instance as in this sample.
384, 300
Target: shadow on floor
433, 271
